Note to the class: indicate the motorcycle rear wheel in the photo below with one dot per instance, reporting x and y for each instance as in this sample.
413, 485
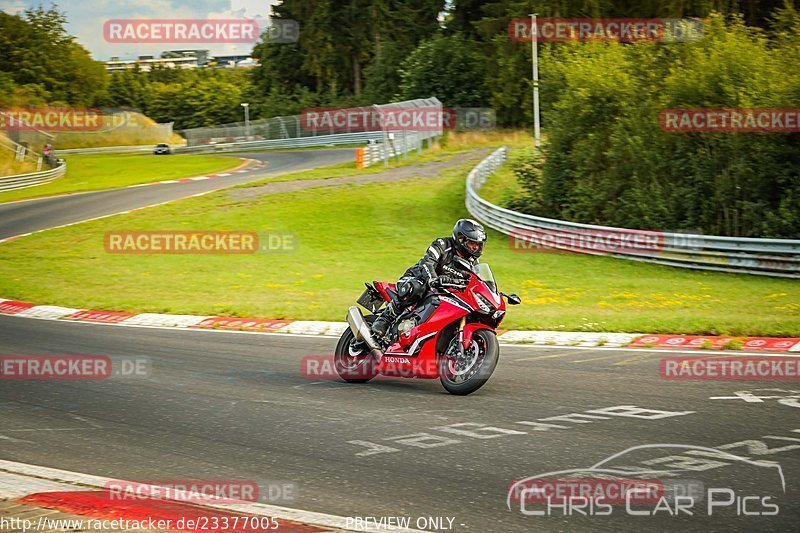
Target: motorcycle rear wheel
462, 381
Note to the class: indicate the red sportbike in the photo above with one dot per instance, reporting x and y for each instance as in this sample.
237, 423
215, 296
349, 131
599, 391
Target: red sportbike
450, 334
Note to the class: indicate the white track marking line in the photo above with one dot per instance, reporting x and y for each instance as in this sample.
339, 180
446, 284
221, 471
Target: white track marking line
665, 351
12, 237
77, 480
12, 439
79, 193
105, 216
620, 351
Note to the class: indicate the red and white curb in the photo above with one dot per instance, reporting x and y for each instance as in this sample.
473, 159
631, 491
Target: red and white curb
246, 166
335, 329
86, 495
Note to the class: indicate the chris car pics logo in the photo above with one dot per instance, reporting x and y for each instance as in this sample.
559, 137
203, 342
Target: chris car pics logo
651, 486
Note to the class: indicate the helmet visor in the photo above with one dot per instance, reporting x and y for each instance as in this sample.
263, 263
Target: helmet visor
474, 248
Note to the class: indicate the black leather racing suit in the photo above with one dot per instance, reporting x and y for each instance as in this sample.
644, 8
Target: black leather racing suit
415, 284
437, 261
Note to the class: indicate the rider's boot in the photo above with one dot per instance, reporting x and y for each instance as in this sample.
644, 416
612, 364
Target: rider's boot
384, 320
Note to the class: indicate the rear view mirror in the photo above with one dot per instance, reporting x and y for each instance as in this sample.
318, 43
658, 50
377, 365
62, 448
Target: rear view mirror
513, 299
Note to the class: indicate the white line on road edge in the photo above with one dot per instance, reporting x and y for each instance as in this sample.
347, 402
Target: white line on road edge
102, 216
665, 351
79, 193
78, 481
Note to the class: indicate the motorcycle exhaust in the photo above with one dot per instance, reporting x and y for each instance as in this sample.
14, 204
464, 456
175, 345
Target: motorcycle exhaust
361, 329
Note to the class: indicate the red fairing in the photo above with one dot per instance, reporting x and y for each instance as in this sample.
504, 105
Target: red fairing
385, 289
414, 354
470, 329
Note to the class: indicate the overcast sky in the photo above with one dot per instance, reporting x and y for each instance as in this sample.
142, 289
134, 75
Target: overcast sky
86, 18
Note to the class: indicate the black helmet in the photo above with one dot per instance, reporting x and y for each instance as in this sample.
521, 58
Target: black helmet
470, 237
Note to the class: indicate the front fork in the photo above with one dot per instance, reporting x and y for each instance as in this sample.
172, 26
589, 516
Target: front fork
461, 335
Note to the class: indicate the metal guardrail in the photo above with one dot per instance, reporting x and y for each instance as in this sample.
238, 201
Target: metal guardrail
108, 150
10, 183
299, 142
396, 142
399, 143
767, 257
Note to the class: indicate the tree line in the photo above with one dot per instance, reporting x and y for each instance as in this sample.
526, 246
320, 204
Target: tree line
606, 161
610, 159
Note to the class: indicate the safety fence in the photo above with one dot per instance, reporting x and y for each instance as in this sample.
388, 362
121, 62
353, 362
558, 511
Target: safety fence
767, 257
394, 141
24, 155
299, 142
381, 141
395, 144
22, 152
302, 126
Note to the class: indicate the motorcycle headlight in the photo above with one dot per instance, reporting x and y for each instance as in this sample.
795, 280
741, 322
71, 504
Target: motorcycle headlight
485, 305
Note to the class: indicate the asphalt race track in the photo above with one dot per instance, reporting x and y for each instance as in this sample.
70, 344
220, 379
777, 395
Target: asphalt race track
17, 218
220, 405
225, 405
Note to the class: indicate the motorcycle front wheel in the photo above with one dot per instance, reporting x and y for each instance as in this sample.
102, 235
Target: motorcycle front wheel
465, 375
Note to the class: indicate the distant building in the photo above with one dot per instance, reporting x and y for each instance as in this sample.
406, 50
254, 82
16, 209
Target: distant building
183, 59
233, 61
146, 63
247, 63
201, 55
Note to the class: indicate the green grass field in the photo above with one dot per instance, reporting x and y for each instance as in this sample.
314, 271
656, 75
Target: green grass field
500, 187
352, 234
95, 172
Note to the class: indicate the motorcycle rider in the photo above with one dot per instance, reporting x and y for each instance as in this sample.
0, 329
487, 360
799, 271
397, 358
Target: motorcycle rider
437, 268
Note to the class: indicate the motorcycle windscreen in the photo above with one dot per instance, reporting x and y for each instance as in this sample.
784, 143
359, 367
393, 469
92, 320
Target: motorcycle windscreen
485, 273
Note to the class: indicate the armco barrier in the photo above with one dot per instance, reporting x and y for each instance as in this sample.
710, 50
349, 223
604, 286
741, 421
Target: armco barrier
767, 257
10, 183
108, 150
298, 142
